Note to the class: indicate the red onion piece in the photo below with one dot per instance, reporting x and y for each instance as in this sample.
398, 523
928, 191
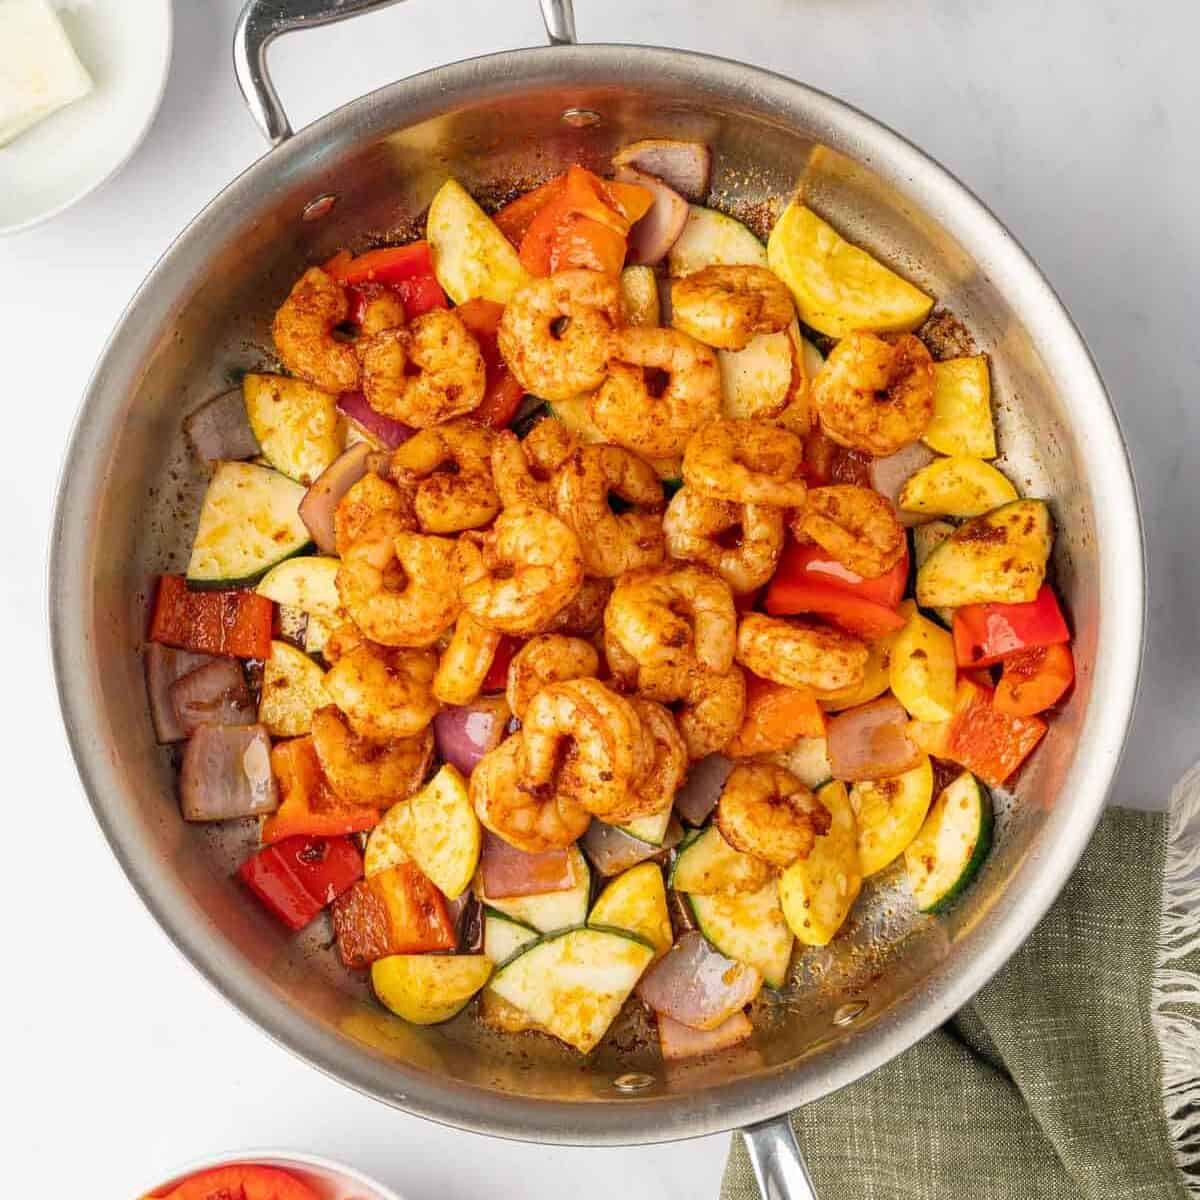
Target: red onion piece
681, 1041
684, 166
508, 871
215, 694
612, 850
220, 430
164, 665
354, 407
700, 793
871, 741
321, 500
890, 474
226, 774
655, 233
696, 986
465, 734
665, 308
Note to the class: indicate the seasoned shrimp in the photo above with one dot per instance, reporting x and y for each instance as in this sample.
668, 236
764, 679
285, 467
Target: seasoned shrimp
611, 542
381, 309
384, 692
748, 462
766, 811
425, 374
799, 655
367, 771
522, 572
342, 640
556, 334
662, 386
726, 306
304, 337
465, 661
740, 542
400, 588
524, 467
546, 659
367, 498
856, 525
450, 471
583, 614
583, 741
666, 764
709, 707
525, 818
875, 393
674, 615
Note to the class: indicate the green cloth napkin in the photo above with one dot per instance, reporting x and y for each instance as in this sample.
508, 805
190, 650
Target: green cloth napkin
1074, 1074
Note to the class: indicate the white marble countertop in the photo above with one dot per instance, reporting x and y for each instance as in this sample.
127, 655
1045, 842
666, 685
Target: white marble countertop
1077, 122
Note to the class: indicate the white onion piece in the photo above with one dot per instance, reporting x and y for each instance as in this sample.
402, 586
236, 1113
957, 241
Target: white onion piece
699, 795
655, 234
220, 430
226, 774
890, 474
215, 694
464, 734
696, 986
684, 166
871, 741
164, 665
681, 1041
321, 500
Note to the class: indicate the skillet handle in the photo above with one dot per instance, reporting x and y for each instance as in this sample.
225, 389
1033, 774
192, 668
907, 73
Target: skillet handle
262, 21
778, 1164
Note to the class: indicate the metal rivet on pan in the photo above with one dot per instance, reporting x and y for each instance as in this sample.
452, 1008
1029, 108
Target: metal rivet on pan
580, 118
849, 1012
319, 207
635, 1081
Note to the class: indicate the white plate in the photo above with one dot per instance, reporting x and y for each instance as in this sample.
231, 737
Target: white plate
126, 47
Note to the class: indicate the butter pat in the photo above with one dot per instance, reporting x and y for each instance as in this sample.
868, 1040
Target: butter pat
39, 69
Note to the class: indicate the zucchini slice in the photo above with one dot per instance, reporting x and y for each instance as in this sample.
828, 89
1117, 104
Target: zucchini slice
309, 584
293, 688
295, 423
548, 911
317, 632
808, 760
706, 864
962, 408
956, 487
428, 988
248, 523
574, 982
636, 901
503, 937
926, 539
471, 257
750, 928
946, 855
711, 238
818, 892
999, 557
890, 813
650, 829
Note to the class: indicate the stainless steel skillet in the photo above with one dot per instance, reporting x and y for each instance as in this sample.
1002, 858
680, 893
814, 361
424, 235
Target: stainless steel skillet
129, 495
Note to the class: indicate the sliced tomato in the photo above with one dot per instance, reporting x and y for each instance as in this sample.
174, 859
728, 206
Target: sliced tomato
988, 742
234, 623
988, 633
243, 1181
390, 265
775, 717
308, 805
1034, 679
496, 680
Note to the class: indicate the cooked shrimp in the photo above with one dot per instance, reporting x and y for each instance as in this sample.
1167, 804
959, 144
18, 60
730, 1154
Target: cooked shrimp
546, 659
342, 640
740, 542
856, 525
583, 741
611, 542
400, 588
799, 655
525, 818
425, 374
666, 765
384, 692
449, 469
381, 309
465, 661
726, 306
556, 334
524, 467
304, 333
674, 615
712, 711
367, 498
662, 386
366, 771
875, 393
748, 462
521, 573
767, 812
583, 614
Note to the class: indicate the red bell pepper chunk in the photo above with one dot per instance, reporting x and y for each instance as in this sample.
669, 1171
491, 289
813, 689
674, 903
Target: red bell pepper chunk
496, 679
987, 633
233, 623
515, 217
390, 265
989, 743
397, 911
308, 805
1034, 679
420, 295
242, 1181
502, 393
299, 876
807, 562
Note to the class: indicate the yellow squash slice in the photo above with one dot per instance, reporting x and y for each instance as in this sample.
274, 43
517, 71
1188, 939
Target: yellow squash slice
428, 988
956, 487
293, 688
962, 408
295, 423
890, 813
637, 901
471, 257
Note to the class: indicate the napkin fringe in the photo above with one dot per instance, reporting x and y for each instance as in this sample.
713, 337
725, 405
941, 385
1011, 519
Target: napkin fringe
1175, 990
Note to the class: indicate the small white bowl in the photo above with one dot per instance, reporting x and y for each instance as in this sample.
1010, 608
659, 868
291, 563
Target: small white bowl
126, 47
330, 1180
